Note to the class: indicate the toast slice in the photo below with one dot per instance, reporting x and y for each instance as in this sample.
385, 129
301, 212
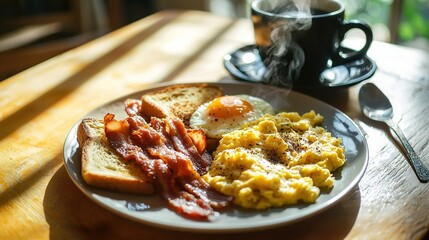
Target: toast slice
102, 167
178, 101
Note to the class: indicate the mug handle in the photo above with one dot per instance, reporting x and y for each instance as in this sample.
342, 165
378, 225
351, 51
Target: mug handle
344, 55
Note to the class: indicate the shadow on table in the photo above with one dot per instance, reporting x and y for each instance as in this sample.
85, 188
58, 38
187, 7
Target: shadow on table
70, 214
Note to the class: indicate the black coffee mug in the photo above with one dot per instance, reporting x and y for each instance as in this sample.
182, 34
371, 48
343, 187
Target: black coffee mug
297, 42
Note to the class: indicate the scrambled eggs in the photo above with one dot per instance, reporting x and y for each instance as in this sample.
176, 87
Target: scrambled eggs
276, 160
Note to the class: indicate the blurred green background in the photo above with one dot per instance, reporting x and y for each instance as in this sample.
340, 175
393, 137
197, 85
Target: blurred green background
405, 21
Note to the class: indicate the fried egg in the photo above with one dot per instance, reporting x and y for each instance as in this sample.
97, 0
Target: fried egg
228, 113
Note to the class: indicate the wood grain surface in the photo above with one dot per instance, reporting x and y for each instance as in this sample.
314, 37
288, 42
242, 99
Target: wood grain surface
38, 200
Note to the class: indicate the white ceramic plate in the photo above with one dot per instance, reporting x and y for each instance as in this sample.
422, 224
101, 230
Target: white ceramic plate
235, 219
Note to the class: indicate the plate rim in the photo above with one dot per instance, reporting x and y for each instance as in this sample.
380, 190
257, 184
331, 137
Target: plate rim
266, 225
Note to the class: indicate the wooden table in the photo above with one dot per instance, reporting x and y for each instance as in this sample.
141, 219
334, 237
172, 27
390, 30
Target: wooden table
38, 200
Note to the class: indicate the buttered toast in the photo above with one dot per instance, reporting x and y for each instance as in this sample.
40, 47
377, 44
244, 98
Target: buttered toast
178, 101
102, 167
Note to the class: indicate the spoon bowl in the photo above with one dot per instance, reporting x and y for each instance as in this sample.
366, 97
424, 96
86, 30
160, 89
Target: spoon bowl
376, 106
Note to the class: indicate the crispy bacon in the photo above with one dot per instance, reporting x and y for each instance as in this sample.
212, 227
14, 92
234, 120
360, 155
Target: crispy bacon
132, 107
167, 153
186, 176
176, 135
190, 206
118, 134
198, 138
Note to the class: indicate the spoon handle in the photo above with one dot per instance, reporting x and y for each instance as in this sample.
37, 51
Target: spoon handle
421, 171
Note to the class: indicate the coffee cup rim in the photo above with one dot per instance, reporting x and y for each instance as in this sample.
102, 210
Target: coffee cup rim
333, 13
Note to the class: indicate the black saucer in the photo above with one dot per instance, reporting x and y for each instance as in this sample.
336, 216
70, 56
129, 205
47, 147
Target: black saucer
245, 64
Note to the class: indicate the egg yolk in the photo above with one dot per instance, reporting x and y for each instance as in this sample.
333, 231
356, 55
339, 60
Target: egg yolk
228, 106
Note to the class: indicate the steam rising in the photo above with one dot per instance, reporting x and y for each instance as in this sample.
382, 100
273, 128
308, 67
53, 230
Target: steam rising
286, 57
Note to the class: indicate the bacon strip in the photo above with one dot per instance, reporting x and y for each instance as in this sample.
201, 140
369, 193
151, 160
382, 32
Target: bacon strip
158, 144
118, 134
199, 139
177, 138
132, 107
168, 155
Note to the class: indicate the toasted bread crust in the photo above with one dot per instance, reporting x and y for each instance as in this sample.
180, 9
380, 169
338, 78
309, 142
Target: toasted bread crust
89, 128
102, 167
178, 101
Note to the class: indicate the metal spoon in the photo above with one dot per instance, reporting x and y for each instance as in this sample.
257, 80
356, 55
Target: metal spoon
376, 106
